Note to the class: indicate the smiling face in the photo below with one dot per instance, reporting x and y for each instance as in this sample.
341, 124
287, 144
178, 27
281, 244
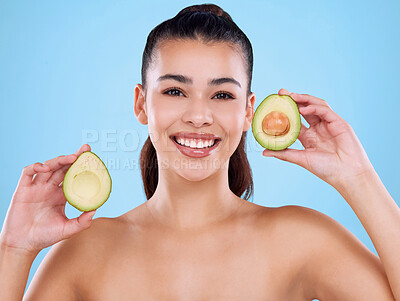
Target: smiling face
195, 88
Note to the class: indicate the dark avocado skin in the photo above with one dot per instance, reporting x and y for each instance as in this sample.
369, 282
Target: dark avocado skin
71, 203
263, 143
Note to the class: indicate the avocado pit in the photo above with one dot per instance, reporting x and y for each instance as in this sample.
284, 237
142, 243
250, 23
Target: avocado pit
275, 123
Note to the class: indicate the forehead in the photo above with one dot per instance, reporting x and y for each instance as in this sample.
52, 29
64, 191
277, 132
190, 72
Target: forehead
198, 60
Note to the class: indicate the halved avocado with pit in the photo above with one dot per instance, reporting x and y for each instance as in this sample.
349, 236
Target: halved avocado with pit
276, 122
87, 183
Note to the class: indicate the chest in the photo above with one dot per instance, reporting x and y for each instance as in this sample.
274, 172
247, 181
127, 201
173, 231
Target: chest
213, 267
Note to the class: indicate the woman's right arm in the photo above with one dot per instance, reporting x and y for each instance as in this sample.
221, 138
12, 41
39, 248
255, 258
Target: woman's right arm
36, 220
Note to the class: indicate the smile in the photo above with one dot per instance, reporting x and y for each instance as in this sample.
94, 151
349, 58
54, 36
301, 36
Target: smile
195, 145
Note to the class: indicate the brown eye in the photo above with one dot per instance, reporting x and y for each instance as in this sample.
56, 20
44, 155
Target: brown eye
223, 95
173, 92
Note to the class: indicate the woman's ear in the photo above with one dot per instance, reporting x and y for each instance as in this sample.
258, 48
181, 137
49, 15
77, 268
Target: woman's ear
140, 107
249, 112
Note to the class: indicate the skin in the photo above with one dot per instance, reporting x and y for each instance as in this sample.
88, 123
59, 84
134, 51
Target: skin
194, 239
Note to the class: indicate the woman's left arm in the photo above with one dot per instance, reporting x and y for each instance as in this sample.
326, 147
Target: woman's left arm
334, 154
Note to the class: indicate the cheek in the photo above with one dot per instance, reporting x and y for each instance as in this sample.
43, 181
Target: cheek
160, 118
231, 116
231, 119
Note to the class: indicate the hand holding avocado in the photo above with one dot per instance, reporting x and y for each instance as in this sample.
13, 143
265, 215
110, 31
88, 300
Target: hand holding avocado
36, 216
332, 151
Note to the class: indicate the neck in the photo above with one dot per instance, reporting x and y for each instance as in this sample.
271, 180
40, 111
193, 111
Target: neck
183, 204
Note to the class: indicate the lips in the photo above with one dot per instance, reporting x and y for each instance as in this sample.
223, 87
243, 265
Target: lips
195, 152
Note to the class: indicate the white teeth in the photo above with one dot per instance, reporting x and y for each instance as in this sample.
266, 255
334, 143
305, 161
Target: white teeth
195, 143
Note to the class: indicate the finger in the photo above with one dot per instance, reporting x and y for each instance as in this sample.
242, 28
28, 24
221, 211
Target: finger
58, 176
59, 162
283, 92
29, 171
78, 224
311, 119
59, 198
324, 113
303, 98
54, 164
82, 149
307, 99
303, 132
290, 155
309, 139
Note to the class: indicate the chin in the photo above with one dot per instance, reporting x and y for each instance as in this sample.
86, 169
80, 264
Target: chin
198, 170
195, 175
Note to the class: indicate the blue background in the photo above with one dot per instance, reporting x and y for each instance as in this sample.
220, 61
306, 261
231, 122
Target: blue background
68, 69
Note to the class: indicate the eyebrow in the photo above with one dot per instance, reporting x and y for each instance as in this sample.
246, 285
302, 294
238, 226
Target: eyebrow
186, 80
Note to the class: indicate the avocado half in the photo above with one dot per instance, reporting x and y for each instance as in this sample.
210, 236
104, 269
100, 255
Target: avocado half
276, 122
87, 183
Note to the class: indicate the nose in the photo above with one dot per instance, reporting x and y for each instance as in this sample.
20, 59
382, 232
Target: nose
198, 113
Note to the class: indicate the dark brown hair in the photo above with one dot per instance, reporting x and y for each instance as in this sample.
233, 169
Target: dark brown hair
208, 23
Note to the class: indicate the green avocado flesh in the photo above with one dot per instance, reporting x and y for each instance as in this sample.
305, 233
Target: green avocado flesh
87, 183
281, 114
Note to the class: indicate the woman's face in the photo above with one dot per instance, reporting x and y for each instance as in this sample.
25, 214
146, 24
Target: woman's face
194, 88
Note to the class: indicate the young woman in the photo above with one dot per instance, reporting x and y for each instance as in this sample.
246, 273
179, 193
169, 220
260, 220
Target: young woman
195, 238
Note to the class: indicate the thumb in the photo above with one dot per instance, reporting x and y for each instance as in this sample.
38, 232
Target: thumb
78, 224
290, 155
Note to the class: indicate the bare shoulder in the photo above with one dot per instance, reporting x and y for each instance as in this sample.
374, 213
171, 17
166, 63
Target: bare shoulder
307, 223
105, 232
97, 242
70, 263
316, 228
315, 233
97, 237
335, 263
